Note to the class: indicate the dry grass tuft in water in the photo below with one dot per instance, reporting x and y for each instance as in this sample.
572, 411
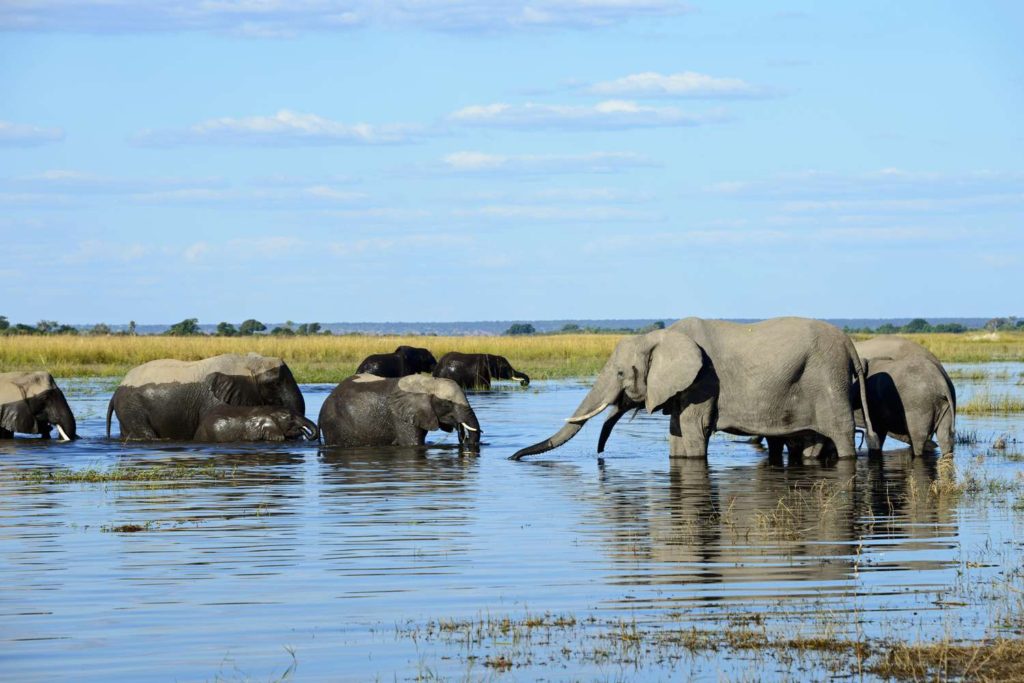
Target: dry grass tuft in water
987, 403
997, 660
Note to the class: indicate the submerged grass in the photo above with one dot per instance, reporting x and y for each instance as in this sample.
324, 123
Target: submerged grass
123, 474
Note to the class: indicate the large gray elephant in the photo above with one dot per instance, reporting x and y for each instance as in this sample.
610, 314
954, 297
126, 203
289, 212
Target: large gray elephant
367, 410
910, 395
476, 370
779, 377
226, 424
166, 399
32, 403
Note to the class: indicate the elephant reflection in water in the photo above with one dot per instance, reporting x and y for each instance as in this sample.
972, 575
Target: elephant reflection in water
763, 524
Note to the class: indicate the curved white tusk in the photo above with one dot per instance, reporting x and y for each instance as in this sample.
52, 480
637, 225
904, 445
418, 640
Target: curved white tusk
468, 428
592, 413
63, 435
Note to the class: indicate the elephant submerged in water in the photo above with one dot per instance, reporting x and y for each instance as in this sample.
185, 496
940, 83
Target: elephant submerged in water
166, 399
476, 370
779, 377
404, 360
225, 424
32, 403
367, 410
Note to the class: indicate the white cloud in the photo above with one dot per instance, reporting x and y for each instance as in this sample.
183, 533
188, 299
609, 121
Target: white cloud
98, 250
682, 84
196, 251
285, 128
22, 135
285, 18
371, 245
607, 115
529, 164
545, 213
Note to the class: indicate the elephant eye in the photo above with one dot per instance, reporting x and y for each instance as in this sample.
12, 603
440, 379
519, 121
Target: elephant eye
621, 373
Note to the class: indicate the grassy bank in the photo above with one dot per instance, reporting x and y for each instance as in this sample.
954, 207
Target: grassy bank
329, 359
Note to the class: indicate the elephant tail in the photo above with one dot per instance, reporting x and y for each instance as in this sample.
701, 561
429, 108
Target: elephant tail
945, 426
858, 368
110, 410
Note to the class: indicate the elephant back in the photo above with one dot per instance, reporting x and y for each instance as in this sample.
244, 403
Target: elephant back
168, 370
18, 386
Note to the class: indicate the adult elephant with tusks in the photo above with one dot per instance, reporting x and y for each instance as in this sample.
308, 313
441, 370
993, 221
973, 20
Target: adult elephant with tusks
476, 370
404, 360
32, 403
779, 377
367, 410
225, 424
167, 399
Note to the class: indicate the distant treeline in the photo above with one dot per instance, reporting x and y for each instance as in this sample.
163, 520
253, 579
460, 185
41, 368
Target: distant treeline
920, 326
190, 328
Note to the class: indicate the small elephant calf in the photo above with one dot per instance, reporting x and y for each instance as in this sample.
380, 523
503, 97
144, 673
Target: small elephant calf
226, 423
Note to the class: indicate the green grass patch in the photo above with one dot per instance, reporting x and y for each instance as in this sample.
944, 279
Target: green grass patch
171, 473
988, 403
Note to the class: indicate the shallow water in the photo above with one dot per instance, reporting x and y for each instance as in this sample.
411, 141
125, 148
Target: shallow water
346, 558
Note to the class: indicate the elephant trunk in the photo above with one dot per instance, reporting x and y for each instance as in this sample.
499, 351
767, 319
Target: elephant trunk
469, 430
58, 413
524, 379
604, 393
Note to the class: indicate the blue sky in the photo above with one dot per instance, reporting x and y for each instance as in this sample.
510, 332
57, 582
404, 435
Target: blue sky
340, 160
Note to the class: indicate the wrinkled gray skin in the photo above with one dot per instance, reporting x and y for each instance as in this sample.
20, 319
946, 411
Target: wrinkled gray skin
405, 360
32, 403
226, 424
476, 370
779, 377
910, 395
367, 410
166, 399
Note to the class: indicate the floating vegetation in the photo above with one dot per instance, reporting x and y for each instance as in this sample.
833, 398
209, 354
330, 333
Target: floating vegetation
986, 402
996, 660
127, 528
164, 473
966, 437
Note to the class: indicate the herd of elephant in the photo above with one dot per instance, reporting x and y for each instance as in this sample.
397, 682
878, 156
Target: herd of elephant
801, 384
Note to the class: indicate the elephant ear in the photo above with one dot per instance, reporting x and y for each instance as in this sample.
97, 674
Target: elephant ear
675, 362
235, 390
414, 408
16, 417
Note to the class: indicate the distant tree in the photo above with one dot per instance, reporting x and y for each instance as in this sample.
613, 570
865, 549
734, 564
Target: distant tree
949, 327
188, 327
4, 322
99, 329
22, 328
887, 328
131, 327
570, 327
226, 330
308, 328
917, 325
47, 326
659, 325
251, 327
283, 332
520, 328
1001, 324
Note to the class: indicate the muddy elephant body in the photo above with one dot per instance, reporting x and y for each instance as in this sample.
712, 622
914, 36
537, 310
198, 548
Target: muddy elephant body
910, 395
167, 399
477, 370
404, 360
367, 410
32, 403
226, 424
779, 377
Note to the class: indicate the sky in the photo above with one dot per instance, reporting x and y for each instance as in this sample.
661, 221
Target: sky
429, 160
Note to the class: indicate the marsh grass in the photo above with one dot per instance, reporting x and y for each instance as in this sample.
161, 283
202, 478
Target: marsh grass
174, 473
329, 359
987, 403
996, 660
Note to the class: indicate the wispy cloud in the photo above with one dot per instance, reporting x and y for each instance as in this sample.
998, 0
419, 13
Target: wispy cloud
22, 135
285, 18
607, 115
685, 84
482, 163
285, 128
547, 213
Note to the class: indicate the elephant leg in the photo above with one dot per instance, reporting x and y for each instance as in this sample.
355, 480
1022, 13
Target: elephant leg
689, 440
843, 439
945, 432
775, 444
6, 433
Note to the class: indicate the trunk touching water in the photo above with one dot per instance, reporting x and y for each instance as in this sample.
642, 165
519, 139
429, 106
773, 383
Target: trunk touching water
60, 416
311, 429
604, 393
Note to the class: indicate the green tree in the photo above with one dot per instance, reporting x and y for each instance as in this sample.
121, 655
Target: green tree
131, 327
520, 328
571, 328
100, 329
917, 325
4, 322
251, 327
47, 326
226, 330
283, 332
188, 327
308, 328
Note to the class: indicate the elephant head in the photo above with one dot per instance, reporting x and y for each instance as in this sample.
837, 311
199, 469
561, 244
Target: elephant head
416, 359
269, 382
645, 370
432, 403
500, 368
32, 403
295, 426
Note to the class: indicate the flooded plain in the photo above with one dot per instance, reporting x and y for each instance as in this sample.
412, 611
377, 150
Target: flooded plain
268, 562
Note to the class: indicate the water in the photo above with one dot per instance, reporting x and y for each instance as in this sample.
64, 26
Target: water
343, 563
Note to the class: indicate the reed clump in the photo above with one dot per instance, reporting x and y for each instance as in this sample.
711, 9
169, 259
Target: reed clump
989, 403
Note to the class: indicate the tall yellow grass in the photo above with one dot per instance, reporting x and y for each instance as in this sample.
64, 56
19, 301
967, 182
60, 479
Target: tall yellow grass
329, 359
